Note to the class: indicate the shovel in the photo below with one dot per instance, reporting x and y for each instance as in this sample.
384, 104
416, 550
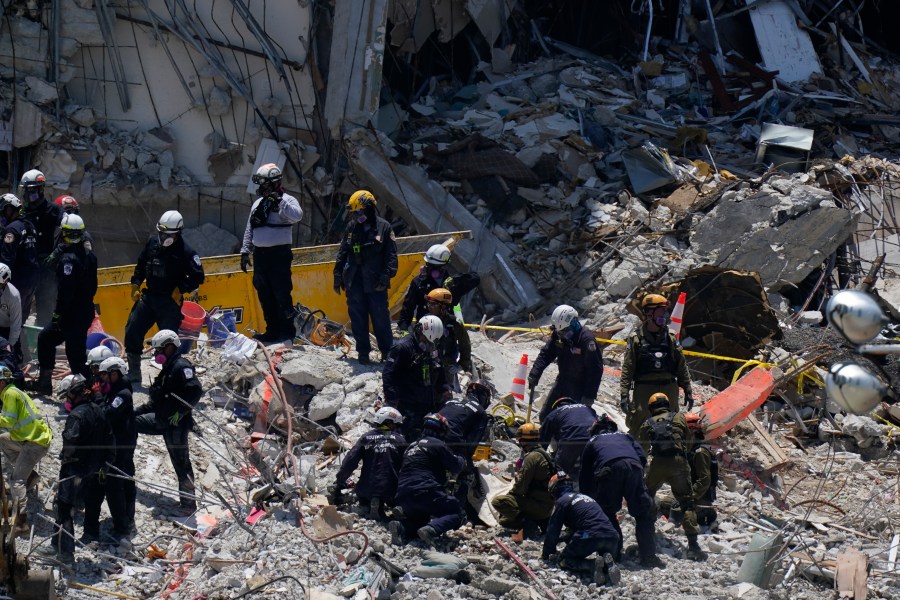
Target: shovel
530, 404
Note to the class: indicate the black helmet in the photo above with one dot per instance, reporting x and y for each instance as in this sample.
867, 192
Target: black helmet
604, 425
559, 484
436, 425
482, 390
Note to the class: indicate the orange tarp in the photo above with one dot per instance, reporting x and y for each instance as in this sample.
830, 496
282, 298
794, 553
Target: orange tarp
727, 408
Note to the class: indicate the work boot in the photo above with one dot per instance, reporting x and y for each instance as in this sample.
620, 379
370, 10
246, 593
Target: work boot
427, 534
397, 532
44, 384
694, 551
530, 530
364, 359
134, 368
652, 562
606, 570
89, 539
375, 508
265, 338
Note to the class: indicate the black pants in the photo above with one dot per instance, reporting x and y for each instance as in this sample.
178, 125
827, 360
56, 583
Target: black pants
70, 487
575, 555
16, 348
559, 390
27, 288
95, 491
72, 331
176, 439
624, 478
45, 293
272, 280
363, 306
152, 308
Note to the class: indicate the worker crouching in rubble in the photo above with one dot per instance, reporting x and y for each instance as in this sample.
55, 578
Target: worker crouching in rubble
669, 438
612, 469
580, 364
455, 347
704, 472
381, 453
569, 425
173, 394
653, 362
467, 420
590, 530
413, 377
425, 505
529, 503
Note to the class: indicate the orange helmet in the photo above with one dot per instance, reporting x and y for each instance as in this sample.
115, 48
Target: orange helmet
440, 295
529, 433
651, 301
658, 402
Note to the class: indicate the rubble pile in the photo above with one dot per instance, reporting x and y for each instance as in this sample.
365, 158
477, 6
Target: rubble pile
260, 526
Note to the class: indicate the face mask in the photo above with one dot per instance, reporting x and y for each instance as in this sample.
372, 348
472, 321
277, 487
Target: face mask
105, 387
662, 319
424, 346
34, 197
160, 359
168, 242
568, 334
361, 218
435, 274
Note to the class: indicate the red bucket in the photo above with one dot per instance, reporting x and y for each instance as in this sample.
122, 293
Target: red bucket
193, 317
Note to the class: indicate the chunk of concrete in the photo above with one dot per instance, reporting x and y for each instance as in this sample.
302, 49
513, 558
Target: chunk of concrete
314, 367
327, 402
40, 92
209, 240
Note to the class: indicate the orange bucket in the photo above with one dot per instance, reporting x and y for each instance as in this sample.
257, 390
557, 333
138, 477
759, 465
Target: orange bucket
193, 317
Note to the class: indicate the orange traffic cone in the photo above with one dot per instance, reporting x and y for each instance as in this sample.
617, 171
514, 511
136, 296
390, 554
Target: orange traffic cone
518, 382
677, 316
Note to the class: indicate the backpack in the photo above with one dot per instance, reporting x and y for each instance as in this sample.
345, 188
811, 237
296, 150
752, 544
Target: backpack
662, 436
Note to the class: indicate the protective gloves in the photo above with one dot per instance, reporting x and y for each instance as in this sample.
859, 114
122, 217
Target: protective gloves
689, 402
624, 404
338, 286
175, 419
136, 293
383, 282
245, 261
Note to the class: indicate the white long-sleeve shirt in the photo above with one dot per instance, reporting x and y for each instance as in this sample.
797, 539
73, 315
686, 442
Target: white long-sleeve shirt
11, 312
279, 234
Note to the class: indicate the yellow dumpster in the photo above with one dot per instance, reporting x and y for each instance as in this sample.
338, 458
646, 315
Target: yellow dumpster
228, 288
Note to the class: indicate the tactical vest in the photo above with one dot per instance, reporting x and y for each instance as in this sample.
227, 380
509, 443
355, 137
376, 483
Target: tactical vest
541, 485
662, 436
654, 359
710, 495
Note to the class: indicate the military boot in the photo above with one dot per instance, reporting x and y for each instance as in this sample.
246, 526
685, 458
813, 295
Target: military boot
694, 551
606, 570
134, 367
44, 384
397, 532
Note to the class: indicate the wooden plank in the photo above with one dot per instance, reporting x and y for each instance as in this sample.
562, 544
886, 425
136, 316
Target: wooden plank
768, 443
850, 575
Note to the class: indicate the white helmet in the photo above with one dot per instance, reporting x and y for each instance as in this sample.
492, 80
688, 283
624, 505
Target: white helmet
163, 338
856, 315
170, 222
387, 414
72, 228
114, 363
562, 316
97, 355
5, 274
431, 327
854, 388
32, 178
438, 254
268, 173
70, 383
10, 200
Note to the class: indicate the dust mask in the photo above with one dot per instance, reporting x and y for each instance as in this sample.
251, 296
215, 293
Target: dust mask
168, 242
361, 218
661, 320
105, 387
435, 274
160, 359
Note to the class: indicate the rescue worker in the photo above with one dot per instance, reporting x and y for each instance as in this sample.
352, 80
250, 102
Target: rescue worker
74, 312
10, 359
95, 358
19, 251
10, 312
365, 264
578, 357
529, 503
25, 439
612, 469
88, 446
653, 362
67, 204
704, 472
591, 532
425, 505
569, 424
170, 269
118, 404
45, 217
173, 395
413, 378
667, 433
434, 274
456, 349
381, 452
467, 419
268, 235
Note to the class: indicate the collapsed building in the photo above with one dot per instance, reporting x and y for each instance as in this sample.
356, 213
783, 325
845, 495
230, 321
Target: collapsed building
594, 153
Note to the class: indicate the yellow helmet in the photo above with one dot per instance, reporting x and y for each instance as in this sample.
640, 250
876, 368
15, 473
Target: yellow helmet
658, 402
439, 295
360, 200
653, 301
529, 433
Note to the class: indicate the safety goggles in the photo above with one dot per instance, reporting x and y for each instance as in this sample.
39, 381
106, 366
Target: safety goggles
259, 179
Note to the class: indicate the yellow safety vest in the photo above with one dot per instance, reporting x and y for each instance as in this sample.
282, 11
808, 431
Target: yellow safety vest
22, 419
